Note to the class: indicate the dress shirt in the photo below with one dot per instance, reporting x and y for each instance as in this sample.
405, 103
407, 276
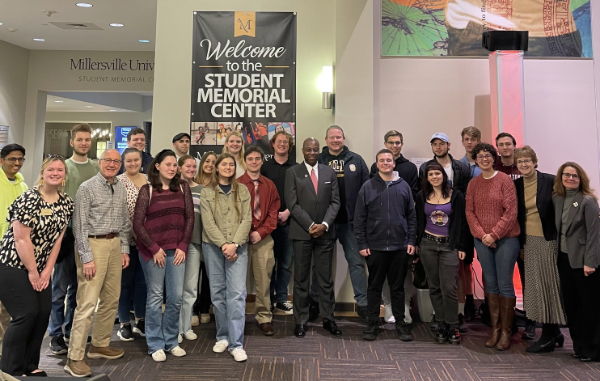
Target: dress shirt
100, 209
309, 169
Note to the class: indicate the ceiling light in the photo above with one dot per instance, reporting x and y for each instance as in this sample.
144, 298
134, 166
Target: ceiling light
113, 110
116, 25
1, 23
144, 41
84, 5
89, 106
59, 101
39, 39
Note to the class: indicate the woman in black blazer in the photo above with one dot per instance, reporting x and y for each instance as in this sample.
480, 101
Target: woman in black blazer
541, 297
577, 225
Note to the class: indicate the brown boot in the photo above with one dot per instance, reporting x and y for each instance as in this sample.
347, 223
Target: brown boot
77, 368
507, 314
104, 353
494, 307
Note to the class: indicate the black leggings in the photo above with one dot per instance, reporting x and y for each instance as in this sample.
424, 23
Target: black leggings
30, 312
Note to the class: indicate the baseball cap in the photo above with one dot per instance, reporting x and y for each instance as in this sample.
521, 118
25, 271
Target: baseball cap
181, 135
440, 135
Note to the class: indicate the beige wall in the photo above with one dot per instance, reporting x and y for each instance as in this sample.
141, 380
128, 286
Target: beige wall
14, 69
127, 119
172, 88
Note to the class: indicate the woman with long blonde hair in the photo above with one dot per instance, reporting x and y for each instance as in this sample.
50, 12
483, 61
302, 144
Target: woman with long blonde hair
226, 219
29, 249
234, 145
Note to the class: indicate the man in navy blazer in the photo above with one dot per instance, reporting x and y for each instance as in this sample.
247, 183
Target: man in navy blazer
312, 196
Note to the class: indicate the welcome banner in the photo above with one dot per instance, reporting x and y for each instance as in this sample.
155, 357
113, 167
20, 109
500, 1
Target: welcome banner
243, 78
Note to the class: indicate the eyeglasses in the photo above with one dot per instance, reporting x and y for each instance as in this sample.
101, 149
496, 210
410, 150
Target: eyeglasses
575, 176
524, 162
53, 156
109, 161
486, 156
394, 143
13, 160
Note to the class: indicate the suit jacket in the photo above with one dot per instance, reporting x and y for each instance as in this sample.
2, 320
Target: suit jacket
543, 202
305, 206
583, 229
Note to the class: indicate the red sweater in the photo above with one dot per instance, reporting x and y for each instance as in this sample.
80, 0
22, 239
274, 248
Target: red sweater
492, 207
164, 222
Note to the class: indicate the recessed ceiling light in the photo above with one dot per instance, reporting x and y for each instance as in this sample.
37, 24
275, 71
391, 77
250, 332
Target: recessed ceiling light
39, 39
89, 106
59, 101
144, 41
116, 24
1, 23
113, 110
84, 5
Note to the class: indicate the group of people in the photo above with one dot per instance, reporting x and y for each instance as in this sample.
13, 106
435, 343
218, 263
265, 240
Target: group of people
135, 233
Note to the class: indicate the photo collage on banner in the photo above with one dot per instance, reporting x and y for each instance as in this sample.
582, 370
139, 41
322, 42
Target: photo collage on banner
557, 28
243, 78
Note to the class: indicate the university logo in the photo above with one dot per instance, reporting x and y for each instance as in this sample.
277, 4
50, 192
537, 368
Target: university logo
245, 24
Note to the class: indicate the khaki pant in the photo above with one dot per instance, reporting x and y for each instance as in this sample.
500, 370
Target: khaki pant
104, 289
260, 263
4, 322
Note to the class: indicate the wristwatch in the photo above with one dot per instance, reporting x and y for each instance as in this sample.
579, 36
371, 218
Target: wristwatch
236, 245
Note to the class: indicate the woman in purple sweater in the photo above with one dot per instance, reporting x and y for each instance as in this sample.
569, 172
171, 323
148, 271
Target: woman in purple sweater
163, 222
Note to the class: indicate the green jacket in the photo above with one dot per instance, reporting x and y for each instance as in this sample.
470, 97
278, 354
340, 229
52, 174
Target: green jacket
220, 221
9, 193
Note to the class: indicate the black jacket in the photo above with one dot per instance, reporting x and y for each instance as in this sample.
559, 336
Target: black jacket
459, 230
462, 174
543, 202
406, 170
356, 174
385, 218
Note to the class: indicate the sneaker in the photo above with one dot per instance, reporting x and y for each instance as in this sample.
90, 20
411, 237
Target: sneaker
77, 368
204, 318
407, 317
140, 327
125, 333
190, 335
389, 315
453, 334
177, 351
195, 321
441, 336
104, 353
363, 313
239, 354
286, 307
371, 332
404, 332
58, 345
220, 346
180, 338
159, 356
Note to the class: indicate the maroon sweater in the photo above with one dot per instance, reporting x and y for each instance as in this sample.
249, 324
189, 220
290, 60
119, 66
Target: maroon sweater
491, 207
164, 222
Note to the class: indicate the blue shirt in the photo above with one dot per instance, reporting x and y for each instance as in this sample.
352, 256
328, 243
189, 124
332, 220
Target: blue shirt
475, 170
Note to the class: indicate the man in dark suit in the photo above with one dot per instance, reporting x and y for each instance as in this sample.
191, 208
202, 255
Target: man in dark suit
312, 196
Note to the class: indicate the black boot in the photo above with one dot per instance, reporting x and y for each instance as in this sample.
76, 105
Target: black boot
403, 330
441, 336
462, 326
547, 341
453, 334
529, 332
470, 311
371, 332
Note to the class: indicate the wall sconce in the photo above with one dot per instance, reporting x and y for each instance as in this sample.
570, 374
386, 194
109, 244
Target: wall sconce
325, 86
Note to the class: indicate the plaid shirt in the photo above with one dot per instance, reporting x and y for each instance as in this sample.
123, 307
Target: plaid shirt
100, 209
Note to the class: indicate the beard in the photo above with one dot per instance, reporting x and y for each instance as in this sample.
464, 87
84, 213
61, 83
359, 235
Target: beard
81, 153
442, 155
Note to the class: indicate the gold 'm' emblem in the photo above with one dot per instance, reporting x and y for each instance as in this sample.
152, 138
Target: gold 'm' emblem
245, 24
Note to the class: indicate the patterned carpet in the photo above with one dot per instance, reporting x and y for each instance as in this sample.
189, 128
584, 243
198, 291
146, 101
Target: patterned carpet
319, 356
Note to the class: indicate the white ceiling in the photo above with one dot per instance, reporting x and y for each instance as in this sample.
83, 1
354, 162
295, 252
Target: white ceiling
28, 17
72, 105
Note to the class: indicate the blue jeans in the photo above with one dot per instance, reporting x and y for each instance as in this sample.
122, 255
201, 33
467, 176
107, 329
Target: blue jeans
356, 265
133, 285
284, 253
190, 286
498, 265
228, 292
64, 284
162, 331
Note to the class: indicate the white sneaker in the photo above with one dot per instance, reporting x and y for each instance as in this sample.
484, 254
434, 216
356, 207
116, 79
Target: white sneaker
407, 317
239, 354
221, 346
195, 321
204, 318
190, 335
159, 356
180, 338
177, 351
389, 315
